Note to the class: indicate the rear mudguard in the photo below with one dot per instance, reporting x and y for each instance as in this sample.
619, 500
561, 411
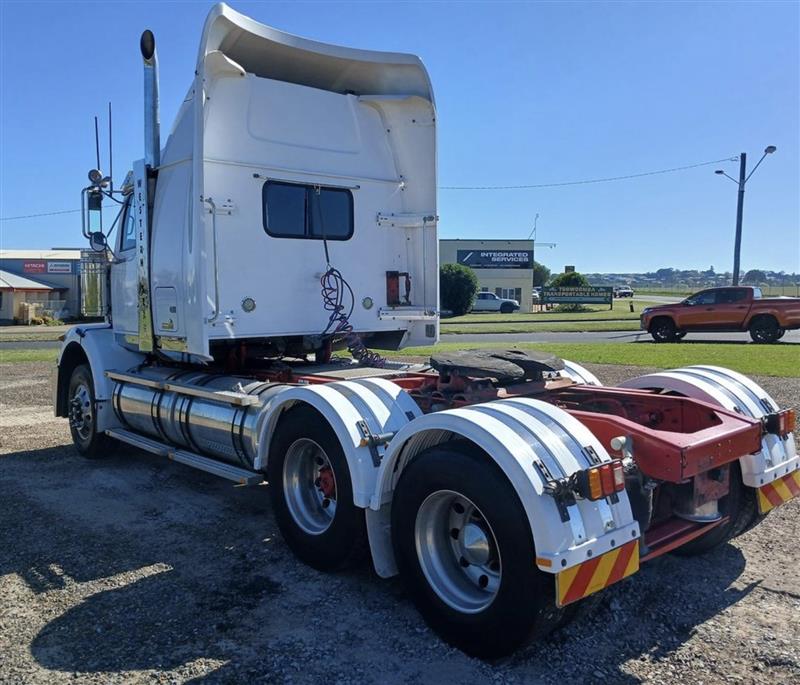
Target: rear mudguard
578, 374
733, 391
516, 434
383, 406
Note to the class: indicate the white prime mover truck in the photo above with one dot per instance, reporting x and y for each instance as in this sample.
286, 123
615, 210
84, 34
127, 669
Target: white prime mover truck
292, 213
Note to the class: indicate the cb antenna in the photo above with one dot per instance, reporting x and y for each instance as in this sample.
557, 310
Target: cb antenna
110, 152
97, 143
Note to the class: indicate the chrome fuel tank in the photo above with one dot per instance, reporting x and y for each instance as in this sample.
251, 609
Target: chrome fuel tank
216, 429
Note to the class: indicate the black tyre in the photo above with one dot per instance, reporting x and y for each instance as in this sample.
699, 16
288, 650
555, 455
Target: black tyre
465, 551
741, 508
312, 494
663, 330
506, 308
680, 335
764, 329
82, 412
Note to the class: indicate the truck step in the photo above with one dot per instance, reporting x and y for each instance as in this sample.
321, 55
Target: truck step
197, 461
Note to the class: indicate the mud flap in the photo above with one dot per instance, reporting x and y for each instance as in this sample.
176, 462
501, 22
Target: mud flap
595, 574
778, 491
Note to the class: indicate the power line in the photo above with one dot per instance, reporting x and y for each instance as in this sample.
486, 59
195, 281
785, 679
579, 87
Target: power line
518, 187
31, 216
591, 180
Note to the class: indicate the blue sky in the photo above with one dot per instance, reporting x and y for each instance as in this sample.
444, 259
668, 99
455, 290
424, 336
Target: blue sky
527, 93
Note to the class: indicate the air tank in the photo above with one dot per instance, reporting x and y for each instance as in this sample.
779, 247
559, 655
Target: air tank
216, 429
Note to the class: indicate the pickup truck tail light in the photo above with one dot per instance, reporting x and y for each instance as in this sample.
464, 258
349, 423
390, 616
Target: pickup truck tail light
781, 422
601, 481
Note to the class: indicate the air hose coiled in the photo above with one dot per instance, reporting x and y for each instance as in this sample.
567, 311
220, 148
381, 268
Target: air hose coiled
334, 290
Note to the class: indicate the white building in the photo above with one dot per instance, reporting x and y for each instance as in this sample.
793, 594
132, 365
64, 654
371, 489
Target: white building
504, 267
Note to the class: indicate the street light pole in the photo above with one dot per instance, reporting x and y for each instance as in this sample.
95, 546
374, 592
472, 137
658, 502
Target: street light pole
737, 245
744, 177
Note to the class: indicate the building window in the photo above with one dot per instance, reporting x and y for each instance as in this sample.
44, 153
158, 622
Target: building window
293, 210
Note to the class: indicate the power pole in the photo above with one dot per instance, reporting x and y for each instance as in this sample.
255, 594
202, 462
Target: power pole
743, 179
737, 246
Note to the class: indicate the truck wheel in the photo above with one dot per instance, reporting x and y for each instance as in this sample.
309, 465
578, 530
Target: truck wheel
741, 508
764, 329
311, 492
680, 335
465, 551
82, 410
663, 330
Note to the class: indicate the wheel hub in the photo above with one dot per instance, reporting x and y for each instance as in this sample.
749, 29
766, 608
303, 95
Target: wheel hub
80, 412
475, 544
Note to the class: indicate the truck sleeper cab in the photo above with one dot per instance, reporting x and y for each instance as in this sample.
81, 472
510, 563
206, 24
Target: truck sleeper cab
503, 486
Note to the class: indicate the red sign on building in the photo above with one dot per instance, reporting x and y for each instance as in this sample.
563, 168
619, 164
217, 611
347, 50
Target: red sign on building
34, 267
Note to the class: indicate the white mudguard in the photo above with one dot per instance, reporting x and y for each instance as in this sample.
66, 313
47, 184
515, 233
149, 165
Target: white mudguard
103, 354
578, 374
735, 392
384, 406
517, 434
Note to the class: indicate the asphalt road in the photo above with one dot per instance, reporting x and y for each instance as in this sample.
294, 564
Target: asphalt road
791, 337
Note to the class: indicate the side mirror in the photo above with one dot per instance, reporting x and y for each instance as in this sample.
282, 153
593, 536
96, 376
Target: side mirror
97, 241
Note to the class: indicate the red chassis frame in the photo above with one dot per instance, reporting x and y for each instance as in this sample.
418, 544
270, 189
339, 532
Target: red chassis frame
675, 439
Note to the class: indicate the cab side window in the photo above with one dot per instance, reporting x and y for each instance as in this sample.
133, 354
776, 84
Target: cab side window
708, 297
731, 296
128, 227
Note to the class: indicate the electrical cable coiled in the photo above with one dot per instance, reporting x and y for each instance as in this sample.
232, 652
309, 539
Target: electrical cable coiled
334, 290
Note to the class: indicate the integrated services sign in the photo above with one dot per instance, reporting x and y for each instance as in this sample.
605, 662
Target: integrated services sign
496, 259
59, 267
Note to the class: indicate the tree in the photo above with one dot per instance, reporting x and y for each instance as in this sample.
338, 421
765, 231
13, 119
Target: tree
570, 280
541, 274
458, 286
755, 276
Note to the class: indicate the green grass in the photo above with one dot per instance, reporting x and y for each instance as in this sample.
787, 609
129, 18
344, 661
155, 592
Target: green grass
763, 360
16, 356
557, 327
621, 311
25, 336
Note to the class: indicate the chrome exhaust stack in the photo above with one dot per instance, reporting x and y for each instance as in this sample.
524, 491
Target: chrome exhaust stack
152, 125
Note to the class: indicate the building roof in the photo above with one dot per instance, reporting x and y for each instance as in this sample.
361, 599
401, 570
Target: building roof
41, 254
16, 282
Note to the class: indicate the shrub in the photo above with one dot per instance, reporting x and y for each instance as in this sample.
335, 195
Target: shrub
571, 280
458, 285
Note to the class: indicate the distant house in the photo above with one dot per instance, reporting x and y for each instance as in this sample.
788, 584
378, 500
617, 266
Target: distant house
16, 290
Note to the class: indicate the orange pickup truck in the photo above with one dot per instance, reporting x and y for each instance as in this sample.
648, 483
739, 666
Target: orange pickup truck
733, 308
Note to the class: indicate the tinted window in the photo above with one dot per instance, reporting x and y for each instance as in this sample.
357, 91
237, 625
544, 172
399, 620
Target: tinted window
707, 297
292, 210
285, 210
128, 238
731, 296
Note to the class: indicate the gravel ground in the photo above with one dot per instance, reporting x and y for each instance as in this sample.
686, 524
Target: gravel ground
135, 569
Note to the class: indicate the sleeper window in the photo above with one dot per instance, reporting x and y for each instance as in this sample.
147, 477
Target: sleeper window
292, 210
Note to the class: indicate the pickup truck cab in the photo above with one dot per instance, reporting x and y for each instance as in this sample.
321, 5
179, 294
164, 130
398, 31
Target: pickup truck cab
737, 308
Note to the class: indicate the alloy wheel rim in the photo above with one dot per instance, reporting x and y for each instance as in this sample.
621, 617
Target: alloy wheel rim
457, 551
309, 486
81, 417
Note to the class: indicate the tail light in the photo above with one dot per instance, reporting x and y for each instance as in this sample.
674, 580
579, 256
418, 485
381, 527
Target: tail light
601, 481
781, 422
